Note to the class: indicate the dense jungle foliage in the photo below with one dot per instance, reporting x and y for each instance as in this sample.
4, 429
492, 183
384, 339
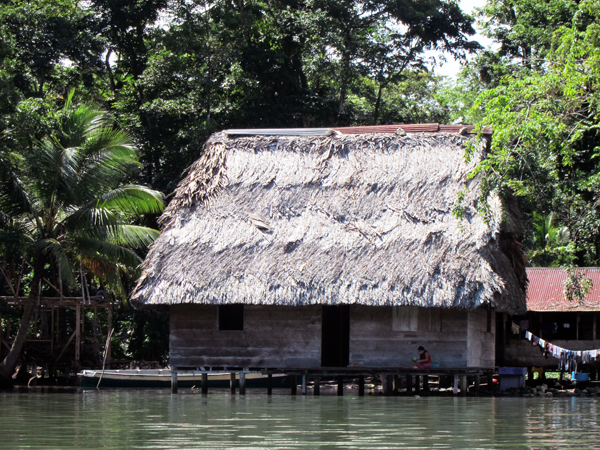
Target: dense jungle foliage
171, 72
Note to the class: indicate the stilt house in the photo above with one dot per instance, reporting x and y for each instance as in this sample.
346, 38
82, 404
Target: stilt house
316, 248
569, 324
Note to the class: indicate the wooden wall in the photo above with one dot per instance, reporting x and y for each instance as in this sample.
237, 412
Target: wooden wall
290, 337
482, 343
373, 341
273, 336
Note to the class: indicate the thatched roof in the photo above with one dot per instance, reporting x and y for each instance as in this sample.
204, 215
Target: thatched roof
343, 219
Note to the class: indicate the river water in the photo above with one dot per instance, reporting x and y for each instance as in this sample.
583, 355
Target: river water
148, 419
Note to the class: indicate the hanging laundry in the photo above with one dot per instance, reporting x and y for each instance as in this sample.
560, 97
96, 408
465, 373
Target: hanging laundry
567, 359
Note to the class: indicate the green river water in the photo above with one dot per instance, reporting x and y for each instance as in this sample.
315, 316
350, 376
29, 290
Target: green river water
155, 419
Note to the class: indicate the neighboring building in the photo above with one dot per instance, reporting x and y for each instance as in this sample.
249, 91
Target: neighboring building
307, 248
568, 324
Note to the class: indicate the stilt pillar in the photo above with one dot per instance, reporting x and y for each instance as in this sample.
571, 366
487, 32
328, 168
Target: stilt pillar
108, 350
426, 384
455, 386
361, 385
78, 333
477, 383
464, 387
294, 384
408, 384
242, 383
232, 382
304, 384
173, 380
205, 383
417, 384
269, 384
317, 383
388, 386
340, 386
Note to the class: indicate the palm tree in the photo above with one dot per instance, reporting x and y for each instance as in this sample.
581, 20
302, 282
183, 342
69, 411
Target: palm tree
65, 198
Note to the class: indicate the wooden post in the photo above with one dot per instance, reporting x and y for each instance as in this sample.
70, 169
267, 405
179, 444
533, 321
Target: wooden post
242, 383
340, 385
232, 382
417, 384
477, 383
269, 384
173, 380
317, 383
78, 334
361, 385
396, 383
109, 331
66, 345
463, 385
408, 384
51, 331
294, 384
0, 336
205, 383
426, 384
304, 386
455, 386
388, 386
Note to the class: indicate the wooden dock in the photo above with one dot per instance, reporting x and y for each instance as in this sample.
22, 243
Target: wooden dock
415, 380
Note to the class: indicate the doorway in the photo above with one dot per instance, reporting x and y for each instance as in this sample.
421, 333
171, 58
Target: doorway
335, 338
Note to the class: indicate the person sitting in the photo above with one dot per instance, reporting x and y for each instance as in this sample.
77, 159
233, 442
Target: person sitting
424, 360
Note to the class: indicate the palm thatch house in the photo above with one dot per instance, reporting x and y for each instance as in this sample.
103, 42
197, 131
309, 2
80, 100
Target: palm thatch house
316, 248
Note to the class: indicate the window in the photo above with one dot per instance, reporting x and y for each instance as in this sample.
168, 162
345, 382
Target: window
231, 317
415, 318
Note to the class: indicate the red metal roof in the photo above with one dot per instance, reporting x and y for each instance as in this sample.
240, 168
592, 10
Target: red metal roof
545, 291
409, 128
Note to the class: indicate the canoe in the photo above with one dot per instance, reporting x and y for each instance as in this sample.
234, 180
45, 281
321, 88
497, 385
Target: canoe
161, 378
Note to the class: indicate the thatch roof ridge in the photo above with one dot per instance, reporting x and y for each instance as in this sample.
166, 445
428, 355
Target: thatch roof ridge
360, 219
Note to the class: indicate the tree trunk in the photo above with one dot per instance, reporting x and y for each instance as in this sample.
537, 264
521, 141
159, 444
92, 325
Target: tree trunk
7, 366
377, 105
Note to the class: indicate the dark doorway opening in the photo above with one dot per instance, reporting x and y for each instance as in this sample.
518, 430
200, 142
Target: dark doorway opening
335, 342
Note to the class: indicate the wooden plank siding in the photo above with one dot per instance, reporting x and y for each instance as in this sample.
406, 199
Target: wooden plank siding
373, 342
280, 336
290, 337
481, 342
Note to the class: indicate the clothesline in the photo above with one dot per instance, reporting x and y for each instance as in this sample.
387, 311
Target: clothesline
567, 358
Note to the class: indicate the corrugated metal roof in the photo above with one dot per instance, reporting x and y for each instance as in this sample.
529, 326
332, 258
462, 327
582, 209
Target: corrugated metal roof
409, 128
545, 291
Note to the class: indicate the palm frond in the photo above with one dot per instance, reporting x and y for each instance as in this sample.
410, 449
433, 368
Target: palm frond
92, 249
14, 198
134, 236
53, 248
133, 199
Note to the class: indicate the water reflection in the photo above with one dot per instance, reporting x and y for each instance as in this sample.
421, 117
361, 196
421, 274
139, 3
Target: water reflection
155, 419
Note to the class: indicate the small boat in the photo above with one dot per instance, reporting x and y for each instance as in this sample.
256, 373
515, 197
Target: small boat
161, 378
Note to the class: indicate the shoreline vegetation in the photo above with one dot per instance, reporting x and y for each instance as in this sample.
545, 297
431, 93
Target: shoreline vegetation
155, 81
